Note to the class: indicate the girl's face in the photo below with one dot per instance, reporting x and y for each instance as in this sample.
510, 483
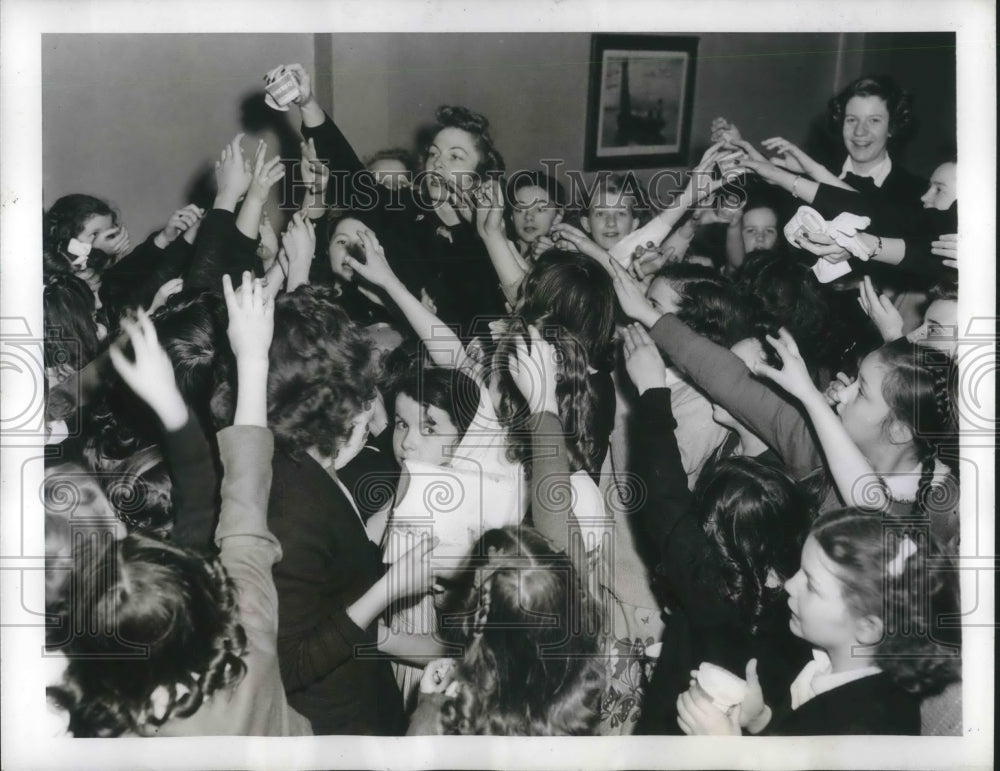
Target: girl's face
94, 226
422, 433
533, 213
863, 409
390, 173
866, 130
663, 296
943, 190
345, 235
610, 218
939, 327
815, 596
760, 229
452, 155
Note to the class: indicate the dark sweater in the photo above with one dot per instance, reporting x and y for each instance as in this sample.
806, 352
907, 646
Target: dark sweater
871, 705
450, 263
330, 668
703, 624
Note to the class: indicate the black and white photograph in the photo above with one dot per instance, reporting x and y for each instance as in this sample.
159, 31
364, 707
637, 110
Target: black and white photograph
542, 385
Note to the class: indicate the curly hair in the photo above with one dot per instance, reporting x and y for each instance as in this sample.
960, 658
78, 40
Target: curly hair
757, 519
67, 218
899, 104
322, 374
532, 663
710, 304
147, 615
910, 598
70, 327
478, 127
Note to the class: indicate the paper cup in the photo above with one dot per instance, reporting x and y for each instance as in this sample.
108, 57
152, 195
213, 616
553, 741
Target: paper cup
724, 688
281, 89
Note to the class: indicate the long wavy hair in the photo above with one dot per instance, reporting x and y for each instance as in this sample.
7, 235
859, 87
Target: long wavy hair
909, 595
66, 219
756, 519
70, 326
532, 663
149, 620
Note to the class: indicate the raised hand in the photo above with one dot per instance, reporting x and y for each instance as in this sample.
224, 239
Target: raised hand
833, 392
114, 241
192, 232
643, 361
946, 247
631, 297
304, 83
724, 131
541, 245
489, 203
315, 173
233, 175
375, 269
879, 308
180, 221
171, 287
251, 318
534, 370
790, 157
151, 374
268, 249
265, 174
572, 239
793, 375
299, 246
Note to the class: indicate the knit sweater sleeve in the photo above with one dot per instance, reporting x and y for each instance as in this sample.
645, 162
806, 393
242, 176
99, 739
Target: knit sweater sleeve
726, 380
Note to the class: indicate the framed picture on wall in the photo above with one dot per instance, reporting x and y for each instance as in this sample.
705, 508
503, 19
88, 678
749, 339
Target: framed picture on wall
639, 103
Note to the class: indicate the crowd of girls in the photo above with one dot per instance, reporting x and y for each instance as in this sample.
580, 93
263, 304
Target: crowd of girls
450, 452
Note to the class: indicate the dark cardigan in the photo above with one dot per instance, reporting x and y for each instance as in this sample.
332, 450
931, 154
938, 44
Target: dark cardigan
331, 670
703, 625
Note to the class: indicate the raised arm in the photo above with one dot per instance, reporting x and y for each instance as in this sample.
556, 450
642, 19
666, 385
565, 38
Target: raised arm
443, 345
507, 262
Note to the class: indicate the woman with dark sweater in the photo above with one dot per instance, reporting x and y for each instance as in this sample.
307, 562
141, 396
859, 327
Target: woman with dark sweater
723, 552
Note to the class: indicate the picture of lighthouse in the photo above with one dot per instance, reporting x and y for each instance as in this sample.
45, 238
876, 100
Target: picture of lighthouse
641, 104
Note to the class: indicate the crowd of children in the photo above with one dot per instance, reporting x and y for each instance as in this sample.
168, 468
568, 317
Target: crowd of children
456, 453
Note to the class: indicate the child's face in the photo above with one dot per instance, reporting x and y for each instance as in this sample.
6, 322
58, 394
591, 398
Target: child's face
939, 327
391, 173
610, 218
533, 213
815, 596
943, 190
422, 433
866, 129
94, 226
344, 235
863, 409
663, 296
760, 229
453, 155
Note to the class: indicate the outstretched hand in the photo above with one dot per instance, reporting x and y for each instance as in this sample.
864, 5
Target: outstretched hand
299, 246
643, 361
265, 174
794, 375
489, 203
632, 298
180, 221
169, 288
375, 269
946, 247
233, 175
151, 374
251, 318
879, 308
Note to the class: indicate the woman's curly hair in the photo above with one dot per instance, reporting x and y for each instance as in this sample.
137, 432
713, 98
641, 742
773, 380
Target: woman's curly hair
911, 596
147, 615
322, 374
757, 519
898, 102
478, 126
532, 663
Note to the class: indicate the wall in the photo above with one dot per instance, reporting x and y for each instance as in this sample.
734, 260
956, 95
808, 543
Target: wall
137, 119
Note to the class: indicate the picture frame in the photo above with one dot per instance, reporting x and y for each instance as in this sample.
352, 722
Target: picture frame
639, 101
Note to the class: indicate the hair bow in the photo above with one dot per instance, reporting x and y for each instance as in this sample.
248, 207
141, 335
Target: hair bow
907, 548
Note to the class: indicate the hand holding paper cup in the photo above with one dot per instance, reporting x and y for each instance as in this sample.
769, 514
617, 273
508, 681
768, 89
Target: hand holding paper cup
725, 689
281, 88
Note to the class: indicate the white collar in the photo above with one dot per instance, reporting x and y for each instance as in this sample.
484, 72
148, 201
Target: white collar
878, 173
817, 677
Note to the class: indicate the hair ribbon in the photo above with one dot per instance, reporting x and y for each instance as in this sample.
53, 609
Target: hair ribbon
907, 548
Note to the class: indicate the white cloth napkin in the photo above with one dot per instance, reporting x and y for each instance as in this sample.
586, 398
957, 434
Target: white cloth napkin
843, 229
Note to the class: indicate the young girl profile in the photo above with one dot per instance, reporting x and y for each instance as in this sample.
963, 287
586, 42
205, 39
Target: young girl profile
869, 599
531, 664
